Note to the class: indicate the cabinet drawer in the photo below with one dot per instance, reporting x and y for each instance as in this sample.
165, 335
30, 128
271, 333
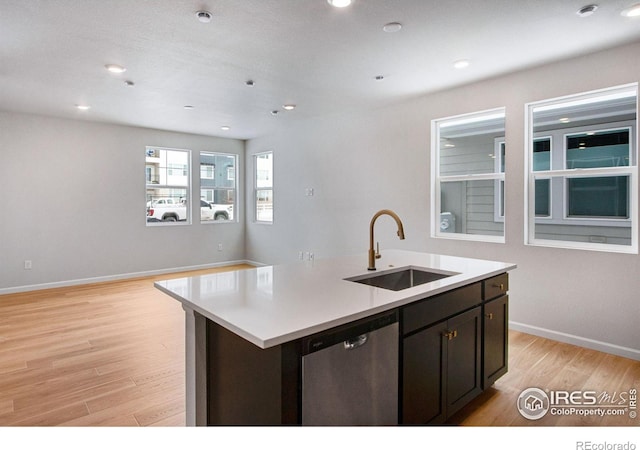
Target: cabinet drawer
439, 307
495, 286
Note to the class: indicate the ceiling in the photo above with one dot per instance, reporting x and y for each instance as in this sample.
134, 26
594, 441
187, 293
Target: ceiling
304, 52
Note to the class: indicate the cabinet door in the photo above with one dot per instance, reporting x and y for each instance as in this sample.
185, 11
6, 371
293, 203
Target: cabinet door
422, 376
464, 359
496, 335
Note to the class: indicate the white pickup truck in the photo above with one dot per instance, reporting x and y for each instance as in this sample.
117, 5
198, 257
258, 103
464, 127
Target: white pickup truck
172, 210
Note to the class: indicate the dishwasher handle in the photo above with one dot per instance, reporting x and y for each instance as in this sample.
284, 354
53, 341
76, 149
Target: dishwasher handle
356, 342
349, 336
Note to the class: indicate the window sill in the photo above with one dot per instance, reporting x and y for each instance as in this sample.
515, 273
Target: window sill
470, 237
569, 245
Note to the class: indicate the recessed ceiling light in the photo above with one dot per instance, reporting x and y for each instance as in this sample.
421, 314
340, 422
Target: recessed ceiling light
225, 128
339, 3
129, 83
392, 27
83, 107
633, 11
379, 77
188, 106
114, 68
586, 11
289, 107
204, 16
274, 112
564, 120
461, 64
250, 83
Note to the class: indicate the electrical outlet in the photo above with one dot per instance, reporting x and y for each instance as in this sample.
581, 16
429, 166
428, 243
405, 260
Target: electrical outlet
219, 247
27, 264
310, 256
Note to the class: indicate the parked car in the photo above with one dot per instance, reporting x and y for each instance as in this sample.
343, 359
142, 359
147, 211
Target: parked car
172, 210
222, 212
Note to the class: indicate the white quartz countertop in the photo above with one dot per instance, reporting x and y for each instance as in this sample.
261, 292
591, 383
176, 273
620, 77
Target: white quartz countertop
272, 305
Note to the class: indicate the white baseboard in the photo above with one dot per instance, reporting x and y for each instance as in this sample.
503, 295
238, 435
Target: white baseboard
125, 276
580, 341
255, 263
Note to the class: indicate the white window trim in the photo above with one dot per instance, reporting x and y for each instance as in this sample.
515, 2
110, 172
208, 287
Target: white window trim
437, 179
530, 176
498, 198
236, 208
256, 189
187, 188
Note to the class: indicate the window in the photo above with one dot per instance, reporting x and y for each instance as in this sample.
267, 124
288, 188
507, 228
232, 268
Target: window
167, 183
263, 170
468, 172
582, 171
542, 161
598, 197
217, 187
207, 171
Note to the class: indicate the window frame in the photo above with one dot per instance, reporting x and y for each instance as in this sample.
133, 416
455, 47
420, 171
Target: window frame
609, 221
257, 189
149, 153
500, 205
437, 180
209, 167
564, 174
214, 179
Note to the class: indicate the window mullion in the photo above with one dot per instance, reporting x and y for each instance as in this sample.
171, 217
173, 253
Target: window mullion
472, 177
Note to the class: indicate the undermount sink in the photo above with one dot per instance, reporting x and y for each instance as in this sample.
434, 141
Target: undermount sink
402, 278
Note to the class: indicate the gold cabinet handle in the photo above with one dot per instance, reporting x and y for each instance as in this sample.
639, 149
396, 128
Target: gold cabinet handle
489, 316
499, 285
450, 334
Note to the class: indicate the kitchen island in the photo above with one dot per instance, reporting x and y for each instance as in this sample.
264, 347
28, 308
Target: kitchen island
245, 332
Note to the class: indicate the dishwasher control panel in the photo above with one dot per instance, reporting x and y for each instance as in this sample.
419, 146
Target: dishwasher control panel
349, 332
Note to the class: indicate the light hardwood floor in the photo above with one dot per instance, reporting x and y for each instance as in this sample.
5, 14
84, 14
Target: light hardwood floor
112, 354
553, 366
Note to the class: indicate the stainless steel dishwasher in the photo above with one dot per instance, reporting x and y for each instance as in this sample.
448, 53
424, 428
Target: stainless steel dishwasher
350, 374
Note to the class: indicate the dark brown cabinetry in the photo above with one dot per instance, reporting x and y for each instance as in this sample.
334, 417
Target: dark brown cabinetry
454, 345
442, 363
495, 329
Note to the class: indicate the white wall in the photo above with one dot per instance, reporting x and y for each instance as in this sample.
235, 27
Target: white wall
74, 204
358, 163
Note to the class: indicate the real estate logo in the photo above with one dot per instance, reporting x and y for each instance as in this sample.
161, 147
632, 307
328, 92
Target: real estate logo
534, 403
